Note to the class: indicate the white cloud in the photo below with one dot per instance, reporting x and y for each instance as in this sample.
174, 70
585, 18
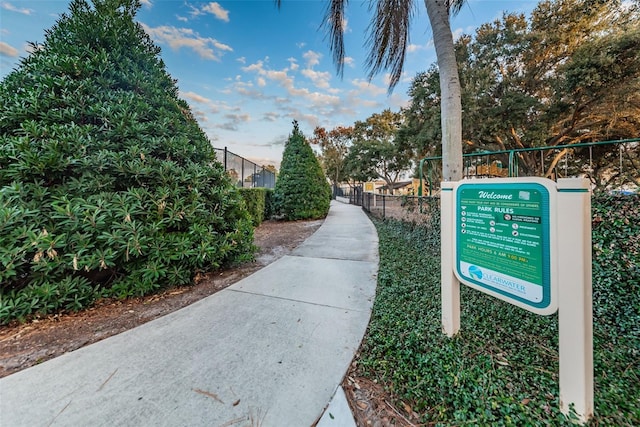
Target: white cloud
365, 87
247, 90
194, 11
398, 101
146, 3
282, 101
319, 78
419, 47
233, 120
238, 117
195, 97
310, 119
242, 60
177, 38
8, 50
271, 116
12, 8
216, 10
349, 61
182, 18
213, 8
325, 100
261, 82
210, 105
293, 64
300, 45
200, 116
313, 58
258, 67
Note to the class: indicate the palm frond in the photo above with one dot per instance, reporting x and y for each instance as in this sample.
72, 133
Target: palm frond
454, 6
333, 23
389, 37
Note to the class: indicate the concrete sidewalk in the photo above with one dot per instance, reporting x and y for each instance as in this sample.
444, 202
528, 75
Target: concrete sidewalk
270, 350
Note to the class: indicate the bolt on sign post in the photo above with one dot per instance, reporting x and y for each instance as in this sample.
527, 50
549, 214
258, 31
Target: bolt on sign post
526, 241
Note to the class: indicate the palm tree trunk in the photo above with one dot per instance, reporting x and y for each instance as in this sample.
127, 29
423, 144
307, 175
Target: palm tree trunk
451, 105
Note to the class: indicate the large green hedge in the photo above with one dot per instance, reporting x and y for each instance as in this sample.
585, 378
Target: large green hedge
108, 187
302, 190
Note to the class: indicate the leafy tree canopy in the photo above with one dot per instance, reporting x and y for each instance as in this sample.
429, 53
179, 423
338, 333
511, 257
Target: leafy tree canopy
334, 145
569, 74
375, 153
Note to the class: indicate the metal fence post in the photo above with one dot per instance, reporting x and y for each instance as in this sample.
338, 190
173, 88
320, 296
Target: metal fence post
384, 205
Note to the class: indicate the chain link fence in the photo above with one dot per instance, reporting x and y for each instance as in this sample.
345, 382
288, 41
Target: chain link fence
413, 209
243, 172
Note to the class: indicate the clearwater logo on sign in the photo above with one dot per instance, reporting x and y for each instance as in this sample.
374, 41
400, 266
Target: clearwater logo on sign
496, 280
475, 272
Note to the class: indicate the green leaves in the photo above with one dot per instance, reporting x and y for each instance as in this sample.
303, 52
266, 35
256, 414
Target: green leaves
255, 199
108, 187
569, 73
302, 190
502, 368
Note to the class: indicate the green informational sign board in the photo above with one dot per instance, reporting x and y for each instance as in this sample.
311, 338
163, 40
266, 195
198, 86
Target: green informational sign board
503, 240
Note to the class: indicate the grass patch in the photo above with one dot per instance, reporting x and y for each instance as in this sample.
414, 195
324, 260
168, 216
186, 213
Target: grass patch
502, 368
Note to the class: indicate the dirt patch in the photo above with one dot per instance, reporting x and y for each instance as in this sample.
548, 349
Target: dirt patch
371, 405
25, 345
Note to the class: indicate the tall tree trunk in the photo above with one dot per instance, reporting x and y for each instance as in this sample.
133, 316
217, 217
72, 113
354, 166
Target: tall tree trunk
451, 105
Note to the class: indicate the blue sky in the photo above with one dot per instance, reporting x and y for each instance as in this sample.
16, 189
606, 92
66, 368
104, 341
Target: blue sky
248, 69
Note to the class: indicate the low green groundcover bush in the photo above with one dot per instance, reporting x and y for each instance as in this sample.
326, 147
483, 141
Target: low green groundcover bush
502, 368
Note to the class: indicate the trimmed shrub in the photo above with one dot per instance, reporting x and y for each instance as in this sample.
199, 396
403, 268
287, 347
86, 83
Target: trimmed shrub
302, 190
268, 203
108, 187
254, 200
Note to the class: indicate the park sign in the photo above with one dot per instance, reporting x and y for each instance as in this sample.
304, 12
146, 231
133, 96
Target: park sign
526, 241
503, 240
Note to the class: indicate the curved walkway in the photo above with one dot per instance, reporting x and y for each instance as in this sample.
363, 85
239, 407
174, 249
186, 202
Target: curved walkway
270, 350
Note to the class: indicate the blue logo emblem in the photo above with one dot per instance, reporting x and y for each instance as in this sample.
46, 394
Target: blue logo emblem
475, 272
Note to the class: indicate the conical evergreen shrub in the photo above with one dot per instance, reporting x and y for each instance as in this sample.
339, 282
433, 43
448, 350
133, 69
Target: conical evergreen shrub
302, 190
108, 187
